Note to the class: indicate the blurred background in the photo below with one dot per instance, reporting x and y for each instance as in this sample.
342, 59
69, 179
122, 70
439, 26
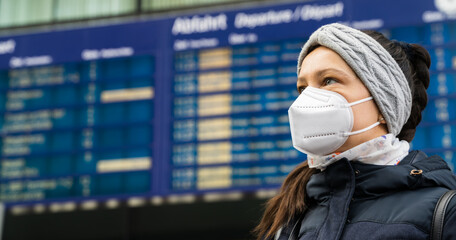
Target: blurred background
167, 119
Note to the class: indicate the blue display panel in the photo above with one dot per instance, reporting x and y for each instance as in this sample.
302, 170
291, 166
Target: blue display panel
78, 129
186, 105
230, 128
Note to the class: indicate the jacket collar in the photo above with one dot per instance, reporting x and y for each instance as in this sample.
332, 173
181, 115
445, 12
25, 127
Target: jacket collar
372, 181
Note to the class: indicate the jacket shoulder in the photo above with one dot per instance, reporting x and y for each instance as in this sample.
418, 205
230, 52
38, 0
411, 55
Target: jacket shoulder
414, 207
449, 229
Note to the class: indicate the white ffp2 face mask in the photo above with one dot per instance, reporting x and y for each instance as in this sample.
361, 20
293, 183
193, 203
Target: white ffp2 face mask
321, 121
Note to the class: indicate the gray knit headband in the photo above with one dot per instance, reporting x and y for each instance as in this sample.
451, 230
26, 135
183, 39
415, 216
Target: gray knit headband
379, 72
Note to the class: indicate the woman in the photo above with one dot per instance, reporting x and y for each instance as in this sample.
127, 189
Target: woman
361, 98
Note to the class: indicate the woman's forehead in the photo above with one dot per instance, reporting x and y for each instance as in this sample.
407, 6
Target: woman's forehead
323, 60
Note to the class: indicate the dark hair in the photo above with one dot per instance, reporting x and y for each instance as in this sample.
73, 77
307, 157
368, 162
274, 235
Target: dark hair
291, 201
414, 61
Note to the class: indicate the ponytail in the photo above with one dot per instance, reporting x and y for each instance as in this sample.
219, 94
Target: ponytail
420, 62
289, 203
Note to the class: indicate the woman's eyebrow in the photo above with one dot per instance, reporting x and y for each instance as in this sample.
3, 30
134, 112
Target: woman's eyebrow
320, 73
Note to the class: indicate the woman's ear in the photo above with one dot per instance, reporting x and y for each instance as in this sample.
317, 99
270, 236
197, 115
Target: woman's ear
381, 119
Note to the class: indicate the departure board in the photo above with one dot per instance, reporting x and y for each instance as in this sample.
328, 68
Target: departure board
77, 130
188, 106
230, 127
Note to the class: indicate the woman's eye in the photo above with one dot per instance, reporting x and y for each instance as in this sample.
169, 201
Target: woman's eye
329, 81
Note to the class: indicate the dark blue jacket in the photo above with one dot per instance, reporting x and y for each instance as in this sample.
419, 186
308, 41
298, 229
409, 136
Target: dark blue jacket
352, 200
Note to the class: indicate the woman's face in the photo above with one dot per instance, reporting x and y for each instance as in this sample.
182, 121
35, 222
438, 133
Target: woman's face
325, 69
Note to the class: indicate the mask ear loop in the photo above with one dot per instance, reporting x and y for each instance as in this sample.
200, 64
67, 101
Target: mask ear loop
360, 101
364, 129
